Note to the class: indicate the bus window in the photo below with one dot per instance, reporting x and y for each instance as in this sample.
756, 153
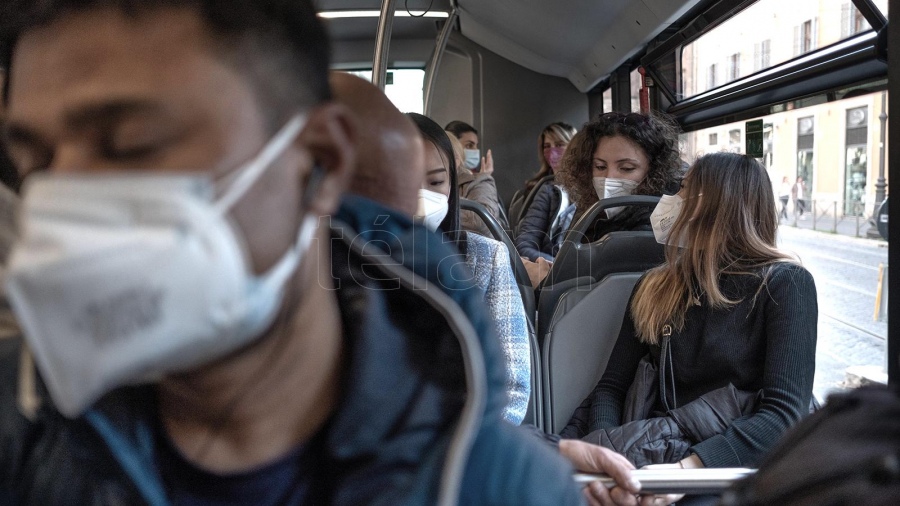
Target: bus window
635, 78
764, 35
403, 87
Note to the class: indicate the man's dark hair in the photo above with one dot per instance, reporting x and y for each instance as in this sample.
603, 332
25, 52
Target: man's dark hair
280, 45
458, 128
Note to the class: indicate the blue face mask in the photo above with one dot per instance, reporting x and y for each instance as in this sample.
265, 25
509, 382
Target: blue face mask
473, 158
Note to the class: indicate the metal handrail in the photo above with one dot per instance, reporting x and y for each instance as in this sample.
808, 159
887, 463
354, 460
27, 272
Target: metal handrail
382, 43
439, 46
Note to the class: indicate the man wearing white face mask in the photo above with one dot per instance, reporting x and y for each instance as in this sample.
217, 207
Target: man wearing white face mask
204, 336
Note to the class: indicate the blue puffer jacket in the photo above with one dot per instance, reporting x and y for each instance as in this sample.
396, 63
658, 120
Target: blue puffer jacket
419, 420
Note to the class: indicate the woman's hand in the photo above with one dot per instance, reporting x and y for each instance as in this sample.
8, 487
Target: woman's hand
537, 271
591, 458
487, 163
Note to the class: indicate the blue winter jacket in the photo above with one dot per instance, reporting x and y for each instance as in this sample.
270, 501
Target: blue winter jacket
419, 421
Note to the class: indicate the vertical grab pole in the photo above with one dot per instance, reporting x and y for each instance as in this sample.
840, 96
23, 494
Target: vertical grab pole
382, 43
439, 46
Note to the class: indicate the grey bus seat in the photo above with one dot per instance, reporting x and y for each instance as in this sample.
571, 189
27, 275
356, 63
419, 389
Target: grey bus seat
577, 346
515, 208
504, 217
534, 413
634, 250
528, 200
580, 310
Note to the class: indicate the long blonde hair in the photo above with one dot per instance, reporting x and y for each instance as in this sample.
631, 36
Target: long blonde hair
728, 224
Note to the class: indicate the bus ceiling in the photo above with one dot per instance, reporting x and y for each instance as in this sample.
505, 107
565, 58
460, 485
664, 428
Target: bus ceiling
583, 42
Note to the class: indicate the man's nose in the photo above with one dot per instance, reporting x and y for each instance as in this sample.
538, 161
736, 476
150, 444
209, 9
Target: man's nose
71, 158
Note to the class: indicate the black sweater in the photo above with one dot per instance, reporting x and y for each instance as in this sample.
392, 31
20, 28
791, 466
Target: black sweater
769, 345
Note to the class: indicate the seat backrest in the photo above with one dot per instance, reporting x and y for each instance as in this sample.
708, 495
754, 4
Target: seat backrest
529, 199
503, 219
515, 207
624, 251
577, 346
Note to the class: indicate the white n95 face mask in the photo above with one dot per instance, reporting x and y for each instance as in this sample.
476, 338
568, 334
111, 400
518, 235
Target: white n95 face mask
432, 210
663, 218
473, 158
608, 187
121, 279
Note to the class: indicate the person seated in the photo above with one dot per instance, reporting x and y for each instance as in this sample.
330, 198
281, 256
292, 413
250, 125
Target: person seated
479, 188
487, 258
402, 163
616, 155
204, 336
728, 319
552, 144
543, 225
468, 137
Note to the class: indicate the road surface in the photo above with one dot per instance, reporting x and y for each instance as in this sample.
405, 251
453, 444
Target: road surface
846, 273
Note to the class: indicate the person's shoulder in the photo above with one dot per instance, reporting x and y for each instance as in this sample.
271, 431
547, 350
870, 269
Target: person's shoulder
485, 253
789, 269
508, 465
790, 275
465, 176
485, 179
480, 241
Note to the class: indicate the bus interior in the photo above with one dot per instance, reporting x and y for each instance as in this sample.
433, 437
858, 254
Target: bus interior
816, 74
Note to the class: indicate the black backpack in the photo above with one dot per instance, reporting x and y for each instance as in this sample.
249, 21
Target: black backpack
847, 453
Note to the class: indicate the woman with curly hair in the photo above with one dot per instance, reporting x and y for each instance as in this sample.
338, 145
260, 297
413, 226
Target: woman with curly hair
616, 155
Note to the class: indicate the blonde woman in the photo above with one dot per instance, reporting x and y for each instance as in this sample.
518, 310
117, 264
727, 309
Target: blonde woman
551, 146
544, 222
727, 312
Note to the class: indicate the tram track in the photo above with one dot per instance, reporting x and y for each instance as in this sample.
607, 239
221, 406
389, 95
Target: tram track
854, 327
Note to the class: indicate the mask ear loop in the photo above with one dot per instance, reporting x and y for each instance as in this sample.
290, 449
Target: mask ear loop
242, 180
279, 273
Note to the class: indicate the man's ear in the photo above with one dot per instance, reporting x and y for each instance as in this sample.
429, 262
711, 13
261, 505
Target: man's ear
330, 137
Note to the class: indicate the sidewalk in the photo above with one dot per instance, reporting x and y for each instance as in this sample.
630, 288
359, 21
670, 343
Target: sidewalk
829, 218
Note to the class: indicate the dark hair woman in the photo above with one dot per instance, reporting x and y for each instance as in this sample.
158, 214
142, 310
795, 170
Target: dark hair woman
488, 260
621, 154
728, 312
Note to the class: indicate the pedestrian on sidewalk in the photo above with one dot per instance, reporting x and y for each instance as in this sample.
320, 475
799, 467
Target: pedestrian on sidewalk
784, 194
798, 194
